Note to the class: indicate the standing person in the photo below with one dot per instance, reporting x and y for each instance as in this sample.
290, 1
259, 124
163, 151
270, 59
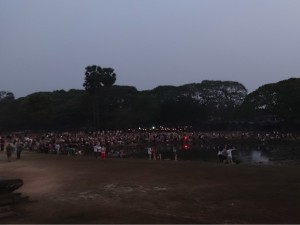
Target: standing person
95, 148
229, 155
19, 147
103, 153
175, 153
154, 152
149, 152
221, 155
57, 148
2, 143
99, 148
159, 157
224, 154
9, 151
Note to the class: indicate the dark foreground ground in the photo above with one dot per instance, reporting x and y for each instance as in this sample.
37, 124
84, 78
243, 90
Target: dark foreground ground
64, 189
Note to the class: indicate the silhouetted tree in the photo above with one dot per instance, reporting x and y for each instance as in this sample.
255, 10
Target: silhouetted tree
95, 79
6, 96
274, 104
39, 107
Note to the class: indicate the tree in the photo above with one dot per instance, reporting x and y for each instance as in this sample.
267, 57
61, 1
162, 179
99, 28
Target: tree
274, 103
6, 96
95, 79
39, 107
199, 102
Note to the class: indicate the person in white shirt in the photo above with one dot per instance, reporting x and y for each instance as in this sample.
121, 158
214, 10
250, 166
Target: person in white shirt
229, 155
96, 146
149, 152
57, 148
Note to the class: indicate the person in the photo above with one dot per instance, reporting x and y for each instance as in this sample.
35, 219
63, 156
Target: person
9, 150
229, 155
175, 153
103, 153
57, 148
2, 144
95, 149
71, 150
224, 154
159, 157
99, 149
154, 152
19, 147
221, 155
149, 152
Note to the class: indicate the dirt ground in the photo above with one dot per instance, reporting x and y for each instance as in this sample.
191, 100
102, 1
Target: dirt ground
87, 190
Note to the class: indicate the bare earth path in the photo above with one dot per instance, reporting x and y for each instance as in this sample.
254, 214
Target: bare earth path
66, 189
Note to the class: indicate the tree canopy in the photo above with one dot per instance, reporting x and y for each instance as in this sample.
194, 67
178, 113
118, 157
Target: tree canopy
209, 104
97, 77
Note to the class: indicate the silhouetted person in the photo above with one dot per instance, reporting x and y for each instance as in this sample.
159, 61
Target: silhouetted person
9, 150
19, 150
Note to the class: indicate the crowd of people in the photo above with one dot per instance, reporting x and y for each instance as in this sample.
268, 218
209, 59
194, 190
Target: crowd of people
119, 144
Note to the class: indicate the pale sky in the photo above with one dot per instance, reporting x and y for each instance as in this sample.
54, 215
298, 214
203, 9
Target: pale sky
45, 45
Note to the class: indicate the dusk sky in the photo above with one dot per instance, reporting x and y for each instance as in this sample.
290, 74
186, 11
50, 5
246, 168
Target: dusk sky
45, 45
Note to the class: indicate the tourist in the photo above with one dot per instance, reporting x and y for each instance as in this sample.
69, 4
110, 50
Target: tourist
154, 152
159, 156
9, 151
149, 152
2, 144
221, 155
103, 153
224, 154
57, 148
229, 155
99, 149
175, 153
95, 148
19, 148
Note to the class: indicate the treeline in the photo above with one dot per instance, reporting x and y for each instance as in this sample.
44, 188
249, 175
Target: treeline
205, 105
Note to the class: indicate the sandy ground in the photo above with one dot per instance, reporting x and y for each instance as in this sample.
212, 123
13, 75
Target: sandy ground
64, 189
